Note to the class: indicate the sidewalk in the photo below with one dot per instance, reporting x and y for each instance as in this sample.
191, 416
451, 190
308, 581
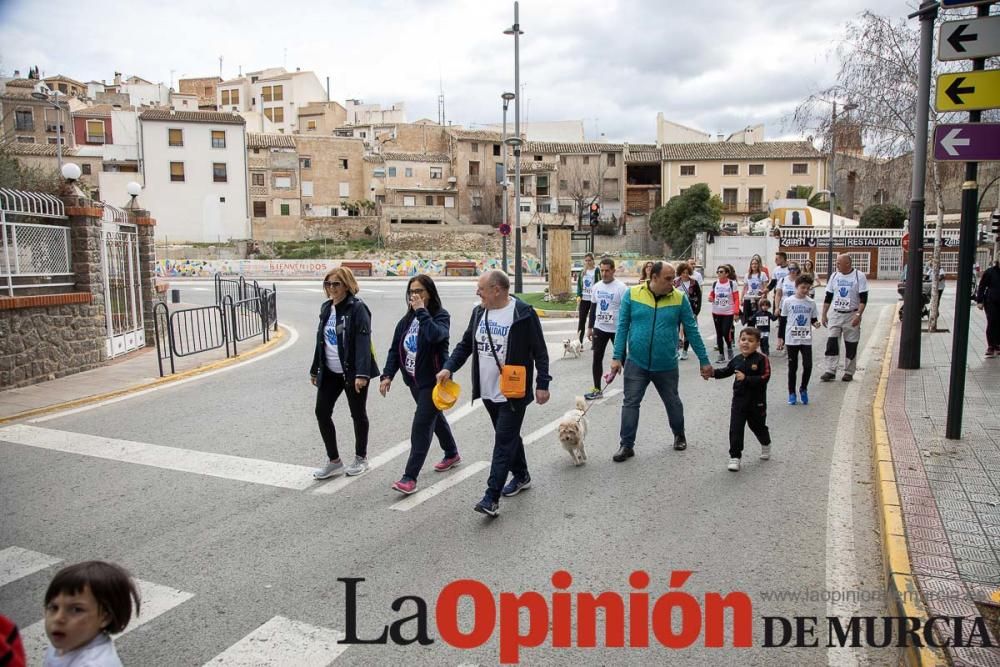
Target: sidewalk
948, 491
133, 372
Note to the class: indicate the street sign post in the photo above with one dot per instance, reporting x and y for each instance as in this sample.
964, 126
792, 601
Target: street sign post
973, 38
967, 142
968, 91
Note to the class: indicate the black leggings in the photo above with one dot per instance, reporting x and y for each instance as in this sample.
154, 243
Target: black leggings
584, 310
793, 365
600, 343
749, 305
333, 385
723, 331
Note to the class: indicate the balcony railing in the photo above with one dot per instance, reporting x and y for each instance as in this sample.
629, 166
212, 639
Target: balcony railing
752, 206
95, 138
474, 179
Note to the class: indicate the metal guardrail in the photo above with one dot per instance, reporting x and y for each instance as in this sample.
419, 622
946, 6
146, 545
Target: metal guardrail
187, 331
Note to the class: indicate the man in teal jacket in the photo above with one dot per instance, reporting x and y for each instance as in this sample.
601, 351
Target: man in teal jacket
650, 317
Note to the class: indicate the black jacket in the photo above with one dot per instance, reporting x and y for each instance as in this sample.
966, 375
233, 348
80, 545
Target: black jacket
354, 344
525, 347
432, 347
694, 295
989, 286
753, 388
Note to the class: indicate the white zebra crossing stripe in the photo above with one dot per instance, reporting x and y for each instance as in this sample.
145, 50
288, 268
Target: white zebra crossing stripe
270, 473
17, 563
463, 474
540, 433
282, 641
156, 600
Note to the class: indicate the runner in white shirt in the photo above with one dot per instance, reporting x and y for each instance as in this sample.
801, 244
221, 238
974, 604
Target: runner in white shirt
798, 317
754, 284
607, 300
785, 286
779, 272
847, 292
725, 304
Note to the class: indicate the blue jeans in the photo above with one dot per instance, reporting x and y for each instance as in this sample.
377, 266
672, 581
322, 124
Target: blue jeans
636, 381
427, 422
508, 447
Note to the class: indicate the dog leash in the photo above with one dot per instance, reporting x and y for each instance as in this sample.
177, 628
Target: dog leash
583, 412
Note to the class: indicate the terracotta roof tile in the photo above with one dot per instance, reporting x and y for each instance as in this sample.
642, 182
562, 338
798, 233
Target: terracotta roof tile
192, 116
416, 157
727, 150
572, 148
475, 135
15, 148
262, 140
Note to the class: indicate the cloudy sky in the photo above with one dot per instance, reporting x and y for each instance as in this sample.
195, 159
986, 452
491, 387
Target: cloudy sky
716, 65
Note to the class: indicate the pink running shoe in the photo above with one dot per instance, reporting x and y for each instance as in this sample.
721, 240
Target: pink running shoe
447, 463
405, 486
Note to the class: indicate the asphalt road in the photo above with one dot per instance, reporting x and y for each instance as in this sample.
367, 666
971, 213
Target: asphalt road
227, 548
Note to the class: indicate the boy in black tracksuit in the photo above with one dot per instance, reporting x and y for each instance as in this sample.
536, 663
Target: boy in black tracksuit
749, 408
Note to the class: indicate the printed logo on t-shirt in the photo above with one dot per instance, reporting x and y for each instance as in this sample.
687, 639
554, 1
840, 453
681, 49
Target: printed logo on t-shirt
499, 334
410, 347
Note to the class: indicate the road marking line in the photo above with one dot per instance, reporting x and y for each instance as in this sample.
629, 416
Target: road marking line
292, 338
553, 330
464, 473
841, 555
343, 481
540, 433
270, 473
156, 600
17, 563
282, 641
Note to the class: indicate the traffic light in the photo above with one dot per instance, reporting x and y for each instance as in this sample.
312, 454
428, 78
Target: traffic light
595, 214
996, 223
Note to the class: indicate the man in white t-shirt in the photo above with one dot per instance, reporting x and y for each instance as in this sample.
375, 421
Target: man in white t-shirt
847, 293
607, 299
503, 331
780, 271
696, 273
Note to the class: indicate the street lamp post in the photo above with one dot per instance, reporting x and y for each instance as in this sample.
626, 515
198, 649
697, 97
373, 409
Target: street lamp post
516, 31
833, 181
57, 107
507, 97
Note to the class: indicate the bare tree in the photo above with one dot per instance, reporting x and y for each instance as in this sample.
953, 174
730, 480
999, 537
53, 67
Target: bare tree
486, 207
878, 71
582, 181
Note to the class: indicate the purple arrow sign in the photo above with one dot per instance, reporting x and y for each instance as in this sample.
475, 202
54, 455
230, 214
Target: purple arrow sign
967, 142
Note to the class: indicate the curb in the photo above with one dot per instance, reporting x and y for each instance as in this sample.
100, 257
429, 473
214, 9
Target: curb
560, 314
276, 339
903, 594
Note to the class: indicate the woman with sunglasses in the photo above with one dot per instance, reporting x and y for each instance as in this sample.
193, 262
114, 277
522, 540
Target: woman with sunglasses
343, 362
420, 347
785, 288
809, 270
725, 306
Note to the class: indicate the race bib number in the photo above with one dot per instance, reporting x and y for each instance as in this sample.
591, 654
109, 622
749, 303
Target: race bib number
842, 299
604, 314
722, 300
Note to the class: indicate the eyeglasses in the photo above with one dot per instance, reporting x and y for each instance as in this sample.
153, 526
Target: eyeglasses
333, 283
792, 270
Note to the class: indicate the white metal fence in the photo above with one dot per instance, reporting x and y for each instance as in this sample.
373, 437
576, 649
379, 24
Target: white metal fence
37, 253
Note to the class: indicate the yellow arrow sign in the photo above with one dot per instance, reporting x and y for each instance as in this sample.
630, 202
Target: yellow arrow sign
968, 91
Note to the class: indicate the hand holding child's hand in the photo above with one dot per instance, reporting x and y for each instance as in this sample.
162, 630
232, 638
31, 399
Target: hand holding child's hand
740, 376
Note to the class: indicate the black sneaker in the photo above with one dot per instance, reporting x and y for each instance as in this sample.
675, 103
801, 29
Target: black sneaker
827, 376
516, 486
622, 454
488, 507
680, 442
847, 377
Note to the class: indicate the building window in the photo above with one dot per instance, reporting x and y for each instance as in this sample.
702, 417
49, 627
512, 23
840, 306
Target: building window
258, 179
260, 209
496, 150
25, 140
586, 185
378, 172
563, 185
729, 197
276, 114
565, 208
429, 200
586, 159
57, 140
305, 163
542, 185
756, 170
218, 138
436, 173
409, 200
286, 209
85, 168
95, 131
756, 200
392, 172
475, 147
62, 88
219, 172
800, 168
307, 188
230, 97
23, 121
271, 94
310, 125
449, 202
343, 163
545, 208
473, 169
283, 182
562, 159
408, 172
538, 158
611, 159
730, 170
687, 170
477, 202
345, 189
499, 172
175, 137
177, 172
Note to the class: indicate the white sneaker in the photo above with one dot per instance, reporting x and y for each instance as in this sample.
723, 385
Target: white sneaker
359, 467
734, 465
765, 452
684, 355
329, 470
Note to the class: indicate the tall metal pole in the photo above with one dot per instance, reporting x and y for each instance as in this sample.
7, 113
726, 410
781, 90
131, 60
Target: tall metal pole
59, 137
909, 338
966, 258
518, 272
833, 189
503, 186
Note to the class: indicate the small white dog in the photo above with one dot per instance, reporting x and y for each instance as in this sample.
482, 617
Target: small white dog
573, 431
572, 346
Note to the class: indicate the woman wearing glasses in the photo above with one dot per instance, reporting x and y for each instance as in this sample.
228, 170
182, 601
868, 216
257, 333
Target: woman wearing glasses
343, 363
420, 347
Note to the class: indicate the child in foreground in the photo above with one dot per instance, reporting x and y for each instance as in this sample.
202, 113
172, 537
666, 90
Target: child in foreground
752, 370
85, 604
